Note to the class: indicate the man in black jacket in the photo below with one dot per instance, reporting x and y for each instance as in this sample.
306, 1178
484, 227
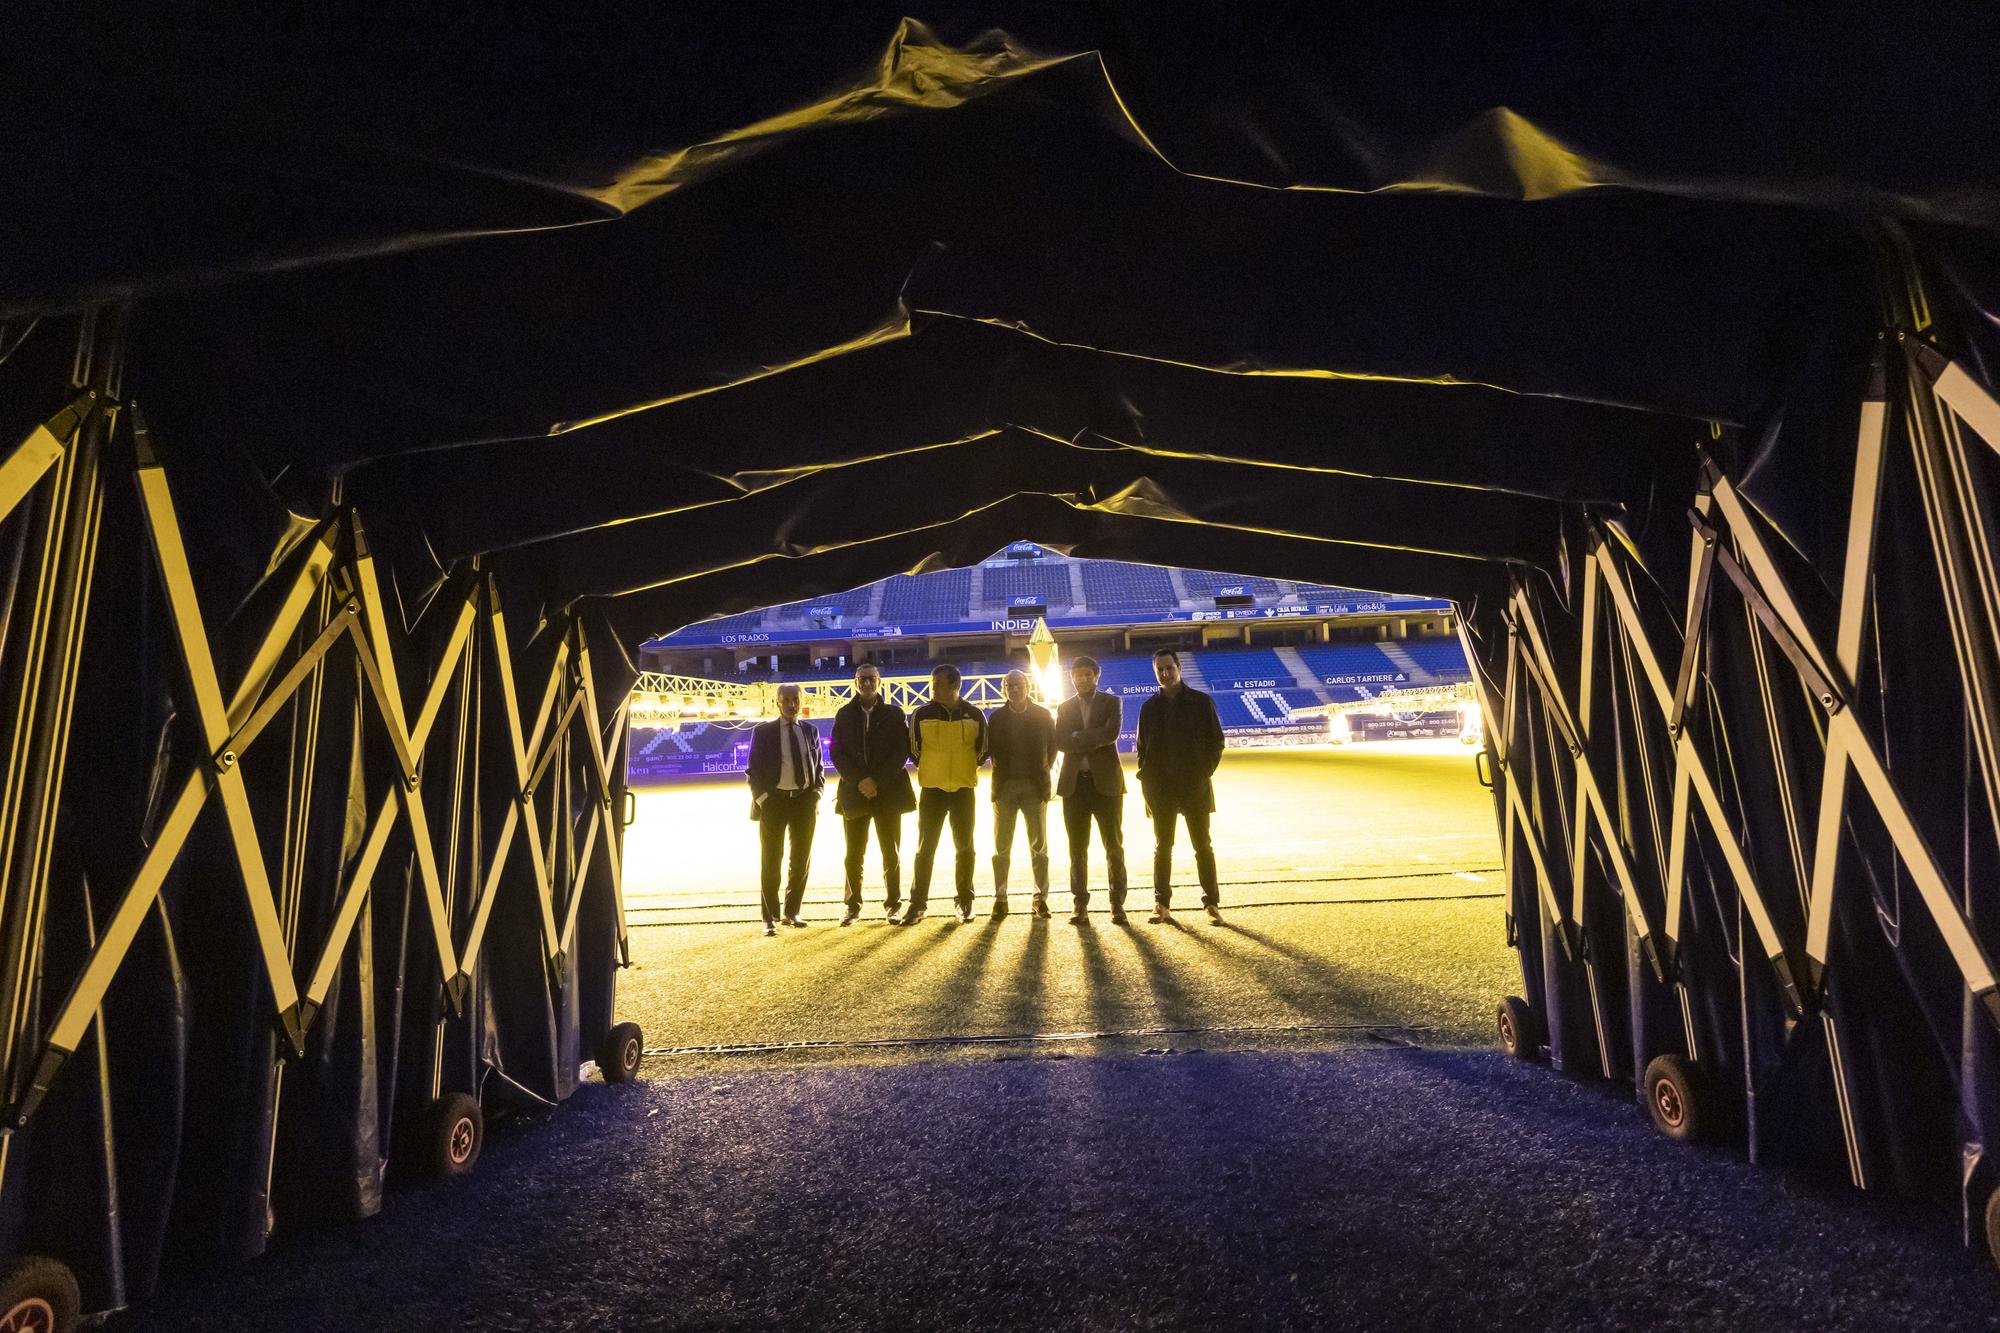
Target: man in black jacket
785, 782
1092, 786
871, 752
1021, 737
1180, 744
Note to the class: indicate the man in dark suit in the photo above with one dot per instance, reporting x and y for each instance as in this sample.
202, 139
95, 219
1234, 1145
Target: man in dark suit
1180, 744
871, 752
785, 781
1092, 786
1021, 737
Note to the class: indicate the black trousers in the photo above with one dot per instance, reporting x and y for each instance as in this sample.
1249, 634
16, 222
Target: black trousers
934, 807
1080, 807
786, 812
889, 837
1165, 815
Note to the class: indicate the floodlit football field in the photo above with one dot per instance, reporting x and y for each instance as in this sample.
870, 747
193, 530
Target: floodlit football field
1360, 884
1289, 823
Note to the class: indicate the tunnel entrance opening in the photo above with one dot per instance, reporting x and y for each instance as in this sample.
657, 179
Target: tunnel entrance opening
1359, 875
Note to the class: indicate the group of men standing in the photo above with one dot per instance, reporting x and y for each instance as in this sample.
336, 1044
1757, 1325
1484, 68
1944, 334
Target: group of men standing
949, 741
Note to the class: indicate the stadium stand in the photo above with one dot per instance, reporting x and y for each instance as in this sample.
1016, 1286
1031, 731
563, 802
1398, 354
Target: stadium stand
1344, 663
1442, 658
1324, 592
916, 619
1127, 675
1111, 585
1202, 583
929, 598
1244, 668
1050, 582
847, 605
749, 620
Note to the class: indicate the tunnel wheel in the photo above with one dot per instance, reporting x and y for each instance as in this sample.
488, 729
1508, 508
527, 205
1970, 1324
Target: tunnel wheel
1520, 1030
39, 1295
618, 1059
1679, 1098
453, 1133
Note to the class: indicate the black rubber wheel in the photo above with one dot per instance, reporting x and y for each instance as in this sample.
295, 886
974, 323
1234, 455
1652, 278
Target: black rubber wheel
1520, 1029
619, 1057
1680, 1099
453, 1133
39, 1295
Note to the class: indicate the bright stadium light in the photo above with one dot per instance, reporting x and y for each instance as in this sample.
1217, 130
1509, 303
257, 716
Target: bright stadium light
1046, 663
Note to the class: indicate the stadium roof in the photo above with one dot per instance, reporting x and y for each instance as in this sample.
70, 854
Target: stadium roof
673, 312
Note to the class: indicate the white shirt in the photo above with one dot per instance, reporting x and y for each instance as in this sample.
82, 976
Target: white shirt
788, 747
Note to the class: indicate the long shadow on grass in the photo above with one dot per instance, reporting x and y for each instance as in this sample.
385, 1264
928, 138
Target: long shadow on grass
1164, 980
1330, 994
1417, 994
1024, 1007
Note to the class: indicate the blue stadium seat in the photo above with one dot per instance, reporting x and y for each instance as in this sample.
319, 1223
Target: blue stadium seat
848, 605
1443, 658
1113, 585
1243, 668
925, 599
1202, 583
1002, 583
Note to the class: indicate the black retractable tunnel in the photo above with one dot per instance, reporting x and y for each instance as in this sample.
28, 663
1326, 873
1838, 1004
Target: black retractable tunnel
369, 387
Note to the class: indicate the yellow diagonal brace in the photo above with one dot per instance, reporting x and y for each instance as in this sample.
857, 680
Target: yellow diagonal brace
72, 1019
349, 910
213, 718
30, 460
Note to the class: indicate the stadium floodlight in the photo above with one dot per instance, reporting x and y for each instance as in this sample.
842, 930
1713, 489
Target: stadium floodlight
1047, 663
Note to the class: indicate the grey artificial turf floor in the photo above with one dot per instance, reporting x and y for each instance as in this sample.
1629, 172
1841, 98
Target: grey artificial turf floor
1281, 1160
1368, 1188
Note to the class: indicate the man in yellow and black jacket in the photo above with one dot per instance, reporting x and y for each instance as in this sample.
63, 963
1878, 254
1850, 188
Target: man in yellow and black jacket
948, 741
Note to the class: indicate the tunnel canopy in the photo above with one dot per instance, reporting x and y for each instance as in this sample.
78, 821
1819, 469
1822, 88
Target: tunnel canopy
678, 313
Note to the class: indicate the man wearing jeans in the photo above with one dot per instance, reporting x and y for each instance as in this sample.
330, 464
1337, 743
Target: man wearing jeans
948, 740
1092, 786
1022, 738
1180, 744
785, 781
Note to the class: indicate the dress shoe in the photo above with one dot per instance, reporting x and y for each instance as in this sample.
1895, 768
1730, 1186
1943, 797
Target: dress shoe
910, 918
1000, 905
1214, 916
1079, 917
793, 920
1161, 916
848, 919
770, 927
1118, 916
1041, 907
965, 914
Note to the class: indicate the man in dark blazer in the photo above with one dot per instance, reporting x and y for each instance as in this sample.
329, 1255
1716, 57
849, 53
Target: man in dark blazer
785, 781
1092, 786
1021, 738
1180, 744
871, 752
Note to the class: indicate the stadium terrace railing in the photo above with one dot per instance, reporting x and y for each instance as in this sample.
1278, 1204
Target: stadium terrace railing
659, 699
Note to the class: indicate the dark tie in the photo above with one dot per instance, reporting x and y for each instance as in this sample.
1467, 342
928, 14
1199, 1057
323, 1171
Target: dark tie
789, 741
